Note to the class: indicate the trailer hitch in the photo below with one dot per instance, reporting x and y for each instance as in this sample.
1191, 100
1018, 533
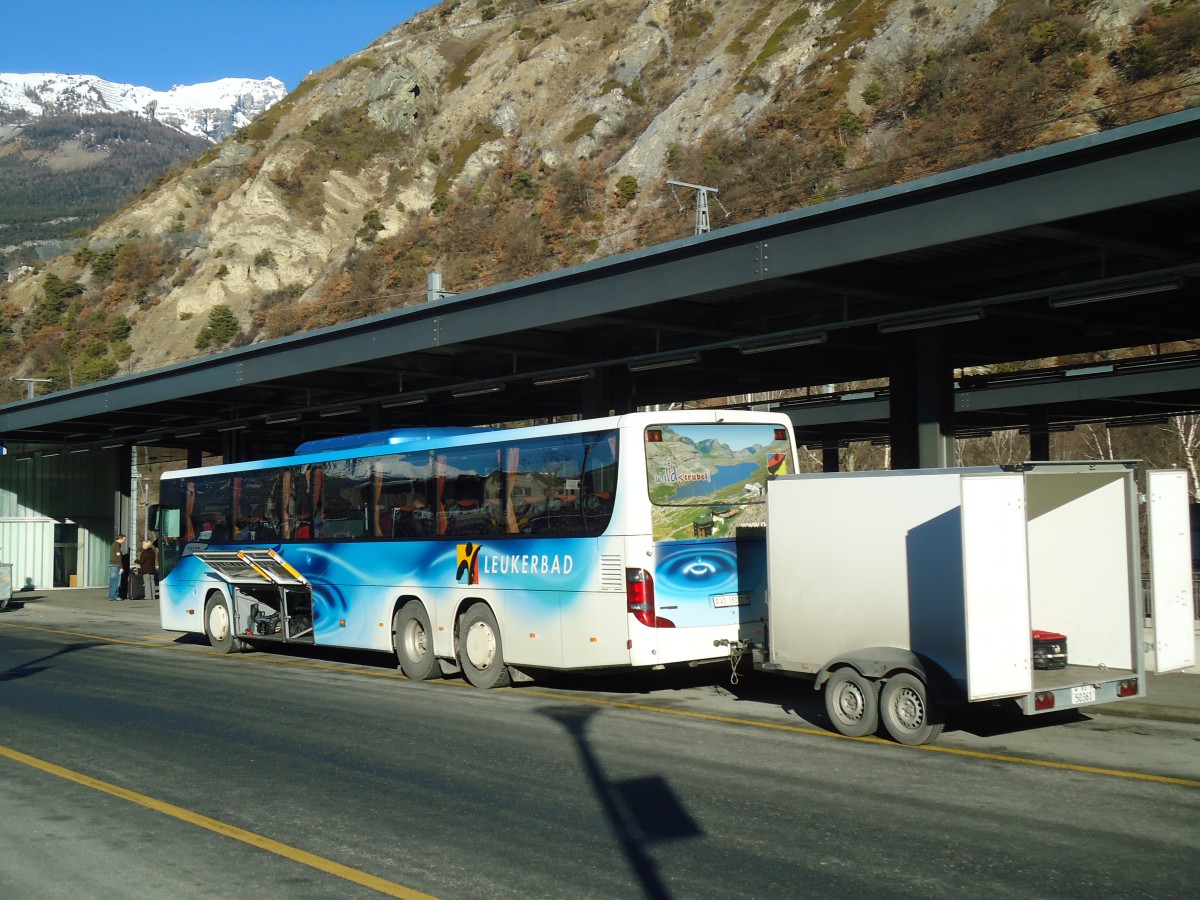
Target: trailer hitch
737, 649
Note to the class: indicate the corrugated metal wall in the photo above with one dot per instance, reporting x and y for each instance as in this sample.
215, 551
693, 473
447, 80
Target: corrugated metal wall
36, 493
28, 544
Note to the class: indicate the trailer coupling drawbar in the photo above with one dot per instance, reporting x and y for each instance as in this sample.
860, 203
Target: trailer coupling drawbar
737, 649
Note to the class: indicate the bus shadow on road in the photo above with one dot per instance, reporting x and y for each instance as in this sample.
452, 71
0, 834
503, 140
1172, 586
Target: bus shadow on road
758, 697
362, 658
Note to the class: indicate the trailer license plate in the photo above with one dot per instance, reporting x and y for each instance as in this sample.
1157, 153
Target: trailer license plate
723, 600
1085, 693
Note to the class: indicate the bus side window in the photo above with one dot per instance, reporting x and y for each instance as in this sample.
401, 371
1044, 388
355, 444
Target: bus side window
342, 509
462, 510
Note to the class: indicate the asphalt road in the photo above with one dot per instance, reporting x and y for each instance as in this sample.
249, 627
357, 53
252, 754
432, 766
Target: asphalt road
132, 765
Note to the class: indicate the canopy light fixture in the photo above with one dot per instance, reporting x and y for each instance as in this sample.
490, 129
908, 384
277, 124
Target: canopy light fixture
1134, 290
283, 420
565, 378
79, 450
188, 434
932, 320
50, 454
115, 446
148, 439
1137, 421
408, 400
237, 426
476, 391
339, 411
783, 343
1089, 370
649, 364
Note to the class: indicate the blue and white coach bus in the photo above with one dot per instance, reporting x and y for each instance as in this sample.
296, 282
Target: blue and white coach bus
634, 540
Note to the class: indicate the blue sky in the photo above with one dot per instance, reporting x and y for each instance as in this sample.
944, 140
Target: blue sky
160, 43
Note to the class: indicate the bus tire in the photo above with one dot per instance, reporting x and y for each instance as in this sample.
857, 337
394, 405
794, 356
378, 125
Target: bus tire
413, 639
852, 702
218, 625
907, 715
480, 652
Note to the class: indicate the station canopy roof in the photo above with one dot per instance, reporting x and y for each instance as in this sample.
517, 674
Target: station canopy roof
1080, 247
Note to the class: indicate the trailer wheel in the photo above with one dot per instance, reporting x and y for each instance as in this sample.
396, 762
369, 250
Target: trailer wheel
480, 652
852, 702
218, 625
413, 640
907, 714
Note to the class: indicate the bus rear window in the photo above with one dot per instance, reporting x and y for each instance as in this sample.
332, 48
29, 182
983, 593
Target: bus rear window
704, 480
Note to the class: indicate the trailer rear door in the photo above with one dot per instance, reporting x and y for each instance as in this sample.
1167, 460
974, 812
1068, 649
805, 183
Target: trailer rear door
996, 586
1169, 532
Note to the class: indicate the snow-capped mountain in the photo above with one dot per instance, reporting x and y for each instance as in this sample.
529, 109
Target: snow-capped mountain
213, 110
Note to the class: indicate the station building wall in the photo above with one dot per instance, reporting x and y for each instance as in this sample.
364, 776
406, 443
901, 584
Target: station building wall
58, 517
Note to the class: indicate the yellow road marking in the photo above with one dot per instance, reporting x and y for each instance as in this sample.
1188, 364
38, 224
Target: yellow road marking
689, 714
223, 828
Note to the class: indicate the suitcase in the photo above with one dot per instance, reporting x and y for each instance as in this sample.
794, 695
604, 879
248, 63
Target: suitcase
1049, 650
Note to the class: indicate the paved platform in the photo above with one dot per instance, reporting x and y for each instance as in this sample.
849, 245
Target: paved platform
1174, 697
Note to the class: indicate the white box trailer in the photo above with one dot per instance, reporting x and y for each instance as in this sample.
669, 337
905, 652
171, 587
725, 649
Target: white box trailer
900, 592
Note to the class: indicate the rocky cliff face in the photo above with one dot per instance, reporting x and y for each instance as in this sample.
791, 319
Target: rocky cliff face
490, 141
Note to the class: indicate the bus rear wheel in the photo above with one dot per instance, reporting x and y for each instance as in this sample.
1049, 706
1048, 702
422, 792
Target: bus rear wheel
413, 640
218, 625
480, 652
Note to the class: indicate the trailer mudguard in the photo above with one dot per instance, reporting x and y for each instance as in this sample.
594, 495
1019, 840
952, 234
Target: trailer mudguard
881, 662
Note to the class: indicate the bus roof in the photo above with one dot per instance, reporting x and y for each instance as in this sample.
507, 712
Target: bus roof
384, 438
373, 444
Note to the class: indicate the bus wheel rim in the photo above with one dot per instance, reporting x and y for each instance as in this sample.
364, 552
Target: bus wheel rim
218, 622
414, 640
481, 645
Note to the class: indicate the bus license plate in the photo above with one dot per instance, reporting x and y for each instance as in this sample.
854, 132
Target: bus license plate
723, 600
1085, 693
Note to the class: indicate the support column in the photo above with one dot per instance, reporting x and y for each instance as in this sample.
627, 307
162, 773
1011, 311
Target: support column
922, 403
609, 393
1039, 438
232, 447
829, 456
122, 493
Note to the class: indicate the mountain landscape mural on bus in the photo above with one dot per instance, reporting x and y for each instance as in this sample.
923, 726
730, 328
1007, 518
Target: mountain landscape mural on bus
707, 480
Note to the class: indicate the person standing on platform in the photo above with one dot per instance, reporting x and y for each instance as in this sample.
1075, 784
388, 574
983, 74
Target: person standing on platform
148, 563
116, 567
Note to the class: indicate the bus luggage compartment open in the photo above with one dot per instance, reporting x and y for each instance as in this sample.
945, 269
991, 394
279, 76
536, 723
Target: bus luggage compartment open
269, 600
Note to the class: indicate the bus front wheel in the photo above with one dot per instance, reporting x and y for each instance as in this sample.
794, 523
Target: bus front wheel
218, 625
414, 642
480, 652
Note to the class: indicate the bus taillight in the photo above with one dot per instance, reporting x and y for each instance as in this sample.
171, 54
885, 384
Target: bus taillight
639, 595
